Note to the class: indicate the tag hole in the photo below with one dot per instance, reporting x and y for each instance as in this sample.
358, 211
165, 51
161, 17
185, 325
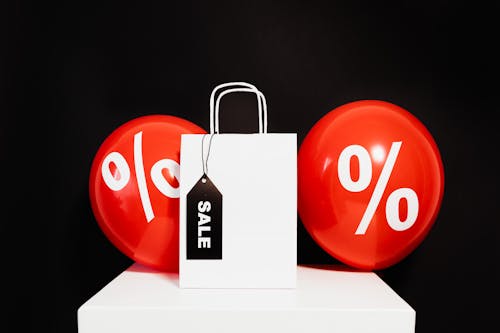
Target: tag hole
203, 180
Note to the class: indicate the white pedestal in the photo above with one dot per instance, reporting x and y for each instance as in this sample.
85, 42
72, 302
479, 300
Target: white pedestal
327, 299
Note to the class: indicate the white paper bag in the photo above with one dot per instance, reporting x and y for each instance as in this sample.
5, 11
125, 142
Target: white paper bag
238, 205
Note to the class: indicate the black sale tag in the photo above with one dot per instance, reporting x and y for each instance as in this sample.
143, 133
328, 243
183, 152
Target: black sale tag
204, 221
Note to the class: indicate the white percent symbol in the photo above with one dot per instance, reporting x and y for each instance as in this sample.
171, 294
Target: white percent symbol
364, 179
118, 181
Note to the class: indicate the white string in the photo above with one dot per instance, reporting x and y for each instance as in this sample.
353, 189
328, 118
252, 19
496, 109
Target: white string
204, 160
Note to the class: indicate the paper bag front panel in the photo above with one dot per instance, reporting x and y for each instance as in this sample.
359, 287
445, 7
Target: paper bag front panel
257, 177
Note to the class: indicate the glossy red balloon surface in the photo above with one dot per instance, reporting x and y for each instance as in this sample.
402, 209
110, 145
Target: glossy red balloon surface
134, 189
370, 183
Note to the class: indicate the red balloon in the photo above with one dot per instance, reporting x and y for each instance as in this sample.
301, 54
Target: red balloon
134, 189
370, 183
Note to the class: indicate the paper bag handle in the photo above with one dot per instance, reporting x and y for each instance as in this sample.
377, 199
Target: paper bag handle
244, 87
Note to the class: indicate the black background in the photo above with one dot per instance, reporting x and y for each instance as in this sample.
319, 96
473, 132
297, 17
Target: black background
73, 71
